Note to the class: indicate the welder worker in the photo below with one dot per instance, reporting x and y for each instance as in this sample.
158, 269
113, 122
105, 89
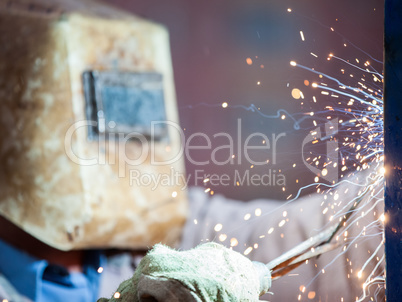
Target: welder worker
80, 84
71, 144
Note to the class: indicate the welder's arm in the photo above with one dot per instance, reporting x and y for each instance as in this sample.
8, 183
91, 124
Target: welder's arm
265, 229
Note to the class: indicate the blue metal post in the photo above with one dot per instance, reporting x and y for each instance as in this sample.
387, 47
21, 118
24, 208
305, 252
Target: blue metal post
393, 148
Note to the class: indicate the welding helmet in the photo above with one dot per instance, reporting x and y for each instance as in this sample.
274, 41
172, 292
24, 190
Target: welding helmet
90, 148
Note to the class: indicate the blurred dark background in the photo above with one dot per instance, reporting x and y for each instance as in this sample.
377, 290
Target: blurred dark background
211, 42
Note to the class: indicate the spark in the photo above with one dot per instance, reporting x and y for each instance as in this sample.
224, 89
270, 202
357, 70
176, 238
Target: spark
234, 242
248, 251
218, 227
222, 237
302, 36
282, 223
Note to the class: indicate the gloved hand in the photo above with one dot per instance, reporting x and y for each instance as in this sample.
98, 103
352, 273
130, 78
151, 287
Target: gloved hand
210, 272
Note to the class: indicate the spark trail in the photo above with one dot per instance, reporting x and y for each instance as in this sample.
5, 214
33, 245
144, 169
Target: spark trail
358, 112
354, 99
358, 107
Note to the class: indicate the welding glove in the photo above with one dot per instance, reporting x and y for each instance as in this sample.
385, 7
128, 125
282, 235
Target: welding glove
210, 272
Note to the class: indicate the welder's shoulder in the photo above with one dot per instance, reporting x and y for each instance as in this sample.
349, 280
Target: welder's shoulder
9, 293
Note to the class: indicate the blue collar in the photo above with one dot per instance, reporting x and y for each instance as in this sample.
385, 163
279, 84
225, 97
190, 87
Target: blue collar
42, 282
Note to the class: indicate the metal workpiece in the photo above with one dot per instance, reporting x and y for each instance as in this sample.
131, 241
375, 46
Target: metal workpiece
393, 148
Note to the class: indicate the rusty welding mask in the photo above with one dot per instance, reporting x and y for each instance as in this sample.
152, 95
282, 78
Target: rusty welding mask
90, 147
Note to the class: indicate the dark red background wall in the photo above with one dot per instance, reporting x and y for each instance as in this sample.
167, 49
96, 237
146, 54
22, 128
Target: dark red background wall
210, 42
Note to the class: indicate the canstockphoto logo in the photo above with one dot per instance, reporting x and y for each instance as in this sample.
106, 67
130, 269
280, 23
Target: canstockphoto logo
330, 173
